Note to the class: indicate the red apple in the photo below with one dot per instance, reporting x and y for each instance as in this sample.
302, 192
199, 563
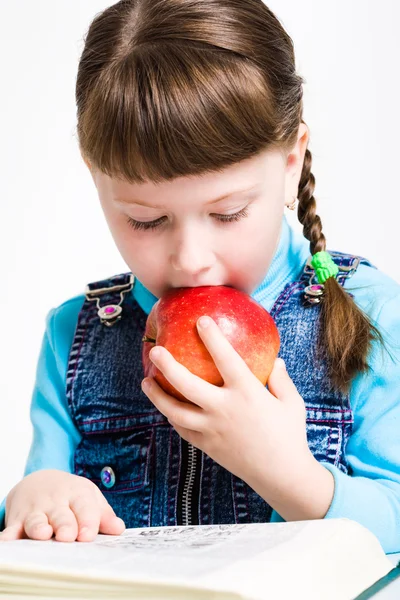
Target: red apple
249, 328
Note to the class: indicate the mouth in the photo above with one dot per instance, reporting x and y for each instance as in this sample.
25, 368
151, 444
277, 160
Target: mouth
200, 285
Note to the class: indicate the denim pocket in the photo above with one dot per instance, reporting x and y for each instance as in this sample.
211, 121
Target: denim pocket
328, 431
127, 455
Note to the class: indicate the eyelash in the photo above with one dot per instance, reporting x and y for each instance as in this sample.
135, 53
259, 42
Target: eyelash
141, 225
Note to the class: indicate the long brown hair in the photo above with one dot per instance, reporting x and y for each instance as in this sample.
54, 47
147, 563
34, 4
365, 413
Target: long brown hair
170, 88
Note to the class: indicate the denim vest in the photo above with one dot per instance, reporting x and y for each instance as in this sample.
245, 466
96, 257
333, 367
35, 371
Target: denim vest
149, 475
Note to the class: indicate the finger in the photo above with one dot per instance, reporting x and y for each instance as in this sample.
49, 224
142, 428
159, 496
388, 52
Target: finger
192, 437
110, 524
182, 414
37, 526
281, 385
87, 515
233, 369
64, 524
13, 532
194, 388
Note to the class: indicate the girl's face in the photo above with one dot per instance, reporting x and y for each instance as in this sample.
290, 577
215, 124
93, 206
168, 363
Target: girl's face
217, 229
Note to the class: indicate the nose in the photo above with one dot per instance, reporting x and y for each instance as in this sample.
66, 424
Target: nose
192, 253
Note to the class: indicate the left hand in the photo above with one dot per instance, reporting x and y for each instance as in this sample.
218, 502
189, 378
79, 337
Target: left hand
248, 429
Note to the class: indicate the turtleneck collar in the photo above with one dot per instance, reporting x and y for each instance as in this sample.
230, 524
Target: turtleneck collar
286, 266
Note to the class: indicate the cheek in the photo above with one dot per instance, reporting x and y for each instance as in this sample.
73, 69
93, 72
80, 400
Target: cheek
258, 244
267, 228
124, 236
146, 257
142, 251
117, 224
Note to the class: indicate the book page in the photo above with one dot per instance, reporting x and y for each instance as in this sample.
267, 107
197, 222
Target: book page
153, 553
248, 560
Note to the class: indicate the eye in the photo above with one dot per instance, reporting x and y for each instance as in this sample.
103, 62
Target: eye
144, 226
235, 217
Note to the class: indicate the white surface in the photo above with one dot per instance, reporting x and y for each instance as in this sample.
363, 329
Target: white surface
53, 238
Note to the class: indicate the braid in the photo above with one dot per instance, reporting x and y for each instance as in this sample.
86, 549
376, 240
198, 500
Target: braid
307, 211
346, 331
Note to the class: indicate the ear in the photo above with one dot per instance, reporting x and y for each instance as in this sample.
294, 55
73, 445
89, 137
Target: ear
90, 167
295, 162
86, 161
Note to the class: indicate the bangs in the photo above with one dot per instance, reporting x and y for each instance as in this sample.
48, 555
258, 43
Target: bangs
175, 110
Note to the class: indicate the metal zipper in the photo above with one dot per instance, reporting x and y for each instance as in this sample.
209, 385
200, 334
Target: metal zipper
188, 486
188, 498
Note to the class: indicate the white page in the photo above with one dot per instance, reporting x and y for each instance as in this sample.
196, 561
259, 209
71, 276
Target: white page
241, 558
153, 553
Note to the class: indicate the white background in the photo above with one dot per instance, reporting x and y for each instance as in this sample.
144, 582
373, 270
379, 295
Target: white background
54, 239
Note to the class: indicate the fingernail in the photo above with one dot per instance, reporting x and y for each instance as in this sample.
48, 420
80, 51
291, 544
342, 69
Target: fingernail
281, 363
155, 353
204, 322
146, 385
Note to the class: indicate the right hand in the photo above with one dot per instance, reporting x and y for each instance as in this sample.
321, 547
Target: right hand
51, 501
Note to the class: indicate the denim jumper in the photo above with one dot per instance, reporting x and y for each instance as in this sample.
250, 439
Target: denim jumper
151, 476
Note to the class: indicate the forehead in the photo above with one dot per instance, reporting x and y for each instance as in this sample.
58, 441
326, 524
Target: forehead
244, 177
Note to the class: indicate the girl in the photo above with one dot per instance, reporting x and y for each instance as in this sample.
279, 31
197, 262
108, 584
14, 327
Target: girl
190, 121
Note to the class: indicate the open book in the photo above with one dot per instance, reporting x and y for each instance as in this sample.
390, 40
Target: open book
334, 559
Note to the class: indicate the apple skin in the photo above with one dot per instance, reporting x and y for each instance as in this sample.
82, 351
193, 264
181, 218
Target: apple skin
248, 327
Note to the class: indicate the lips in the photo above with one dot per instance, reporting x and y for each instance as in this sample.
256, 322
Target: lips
189, 284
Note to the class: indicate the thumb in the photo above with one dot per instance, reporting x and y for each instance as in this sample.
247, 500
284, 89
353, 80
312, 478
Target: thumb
109, 522
280, 384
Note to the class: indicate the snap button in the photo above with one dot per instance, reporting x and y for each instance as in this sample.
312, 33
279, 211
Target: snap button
107, 477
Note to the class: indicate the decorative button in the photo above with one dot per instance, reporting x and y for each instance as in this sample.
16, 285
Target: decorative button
110, 312
107, 477
313, 294
314, 290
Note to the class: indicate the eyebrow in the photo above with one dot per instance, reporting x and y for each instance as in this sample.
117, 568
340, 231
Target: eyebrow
140, 203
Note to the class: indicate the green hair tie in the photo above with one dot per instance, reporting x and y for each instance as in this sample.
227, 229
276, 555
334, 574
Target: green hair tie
324, 266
